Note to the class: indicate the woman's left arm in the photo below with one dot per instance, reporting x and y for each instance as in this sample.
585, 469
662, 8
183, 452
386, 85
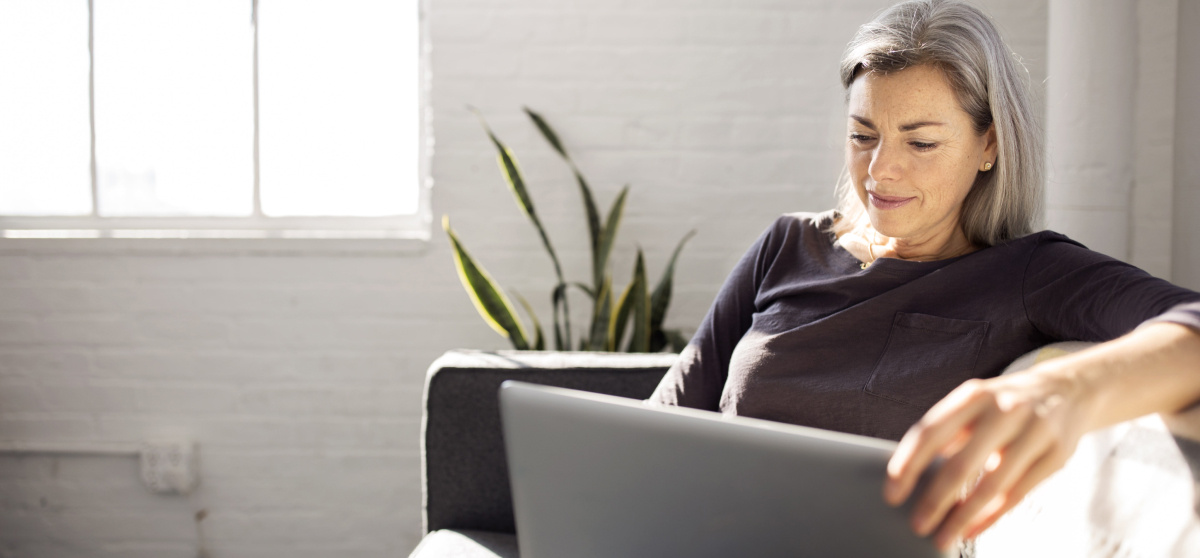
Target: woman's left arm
1011, 432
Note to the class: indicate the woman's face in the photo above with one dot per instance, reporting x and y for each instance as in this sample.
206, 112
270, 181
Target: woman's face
913, 153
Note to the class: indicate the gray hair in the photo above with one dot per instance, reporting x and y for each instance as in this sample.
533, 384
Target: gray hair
992, 87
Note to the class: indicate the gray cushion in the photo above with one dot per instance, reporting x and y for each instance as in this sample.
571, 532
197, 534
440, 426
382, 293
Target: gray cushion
465, 472
447, 543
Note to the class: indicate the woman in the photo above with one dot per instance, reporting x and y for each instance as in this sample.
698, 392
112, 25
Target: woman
893, 315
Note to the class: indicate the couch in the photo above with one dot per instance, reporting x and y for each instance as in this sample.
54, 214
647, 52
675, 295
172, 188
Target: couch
467, 502
1130, 490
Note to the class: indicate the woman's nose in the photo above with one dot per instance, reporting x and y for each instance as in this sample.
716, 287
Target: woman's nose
885, 163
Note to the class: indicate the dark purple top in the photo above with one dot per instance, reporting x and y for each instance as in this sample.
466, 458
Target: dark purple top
800, 334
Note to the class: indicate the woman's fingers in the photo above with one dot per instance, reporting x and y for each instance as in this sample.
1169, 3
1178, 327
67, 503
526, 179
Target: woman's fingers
994, 489
1041, 469
992, 432
1000, 438
941, 425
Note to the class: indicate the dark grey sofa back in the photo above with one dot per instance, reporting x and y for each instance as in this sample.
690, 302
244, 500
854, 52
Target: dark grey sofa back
465, 475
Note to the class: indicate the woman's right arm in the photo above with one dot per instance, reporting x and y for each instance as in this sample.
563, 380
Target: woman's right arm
1020, 428
698, 378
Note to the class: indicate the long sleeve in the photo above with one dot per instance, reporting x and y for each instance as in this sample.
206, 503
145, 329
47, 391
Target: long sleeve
698, 377
1072, 293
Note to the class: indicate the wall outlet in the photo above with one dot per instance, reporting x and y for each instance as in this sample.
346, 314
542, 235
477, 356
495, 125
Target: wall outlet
169, 466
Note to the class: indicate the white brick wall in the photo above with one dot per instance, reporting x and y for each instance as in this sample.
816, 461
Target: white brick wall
300, 375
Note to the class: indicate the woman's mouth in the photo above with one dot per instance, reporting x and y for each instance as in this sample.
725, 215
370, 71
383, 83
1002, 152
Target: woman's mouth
887, 202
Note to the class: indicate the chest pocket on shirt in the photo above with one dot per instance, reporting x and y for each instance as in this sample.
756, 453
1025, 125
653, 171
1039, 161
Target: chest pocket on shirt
925, 358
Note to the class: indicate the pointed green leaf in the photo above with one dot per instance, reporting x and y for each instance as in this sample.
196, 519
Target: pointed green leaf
640, 341
661, 298
595, 233
487, 296
562, 314
608, 235
547, 132
508, 166
561, 302
539, 343
634, 303
516, 183
589, 201
560, 337
600, 316
586, 289
620, 317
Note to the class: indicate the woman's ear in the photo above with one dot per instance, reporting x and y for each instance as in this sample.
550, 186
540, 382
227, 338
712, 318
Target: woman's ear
991, 147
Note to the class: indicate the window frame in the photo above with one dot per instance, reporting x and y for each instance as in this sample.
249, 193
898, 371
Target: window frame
20, 232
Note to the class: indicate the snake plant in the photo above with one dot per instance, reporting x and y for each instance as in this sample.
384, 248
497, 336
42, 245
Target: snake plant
610, 313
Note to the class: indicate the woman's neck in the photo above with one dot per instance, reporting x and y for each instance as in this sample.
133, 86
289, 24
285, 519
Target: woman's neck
951, 244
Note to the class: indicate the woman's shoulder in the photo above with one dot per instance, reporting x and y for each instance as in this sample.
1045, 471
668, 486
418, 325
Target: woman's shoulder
797, 235
1052, 244
1048, 256
806, 223
1047, 236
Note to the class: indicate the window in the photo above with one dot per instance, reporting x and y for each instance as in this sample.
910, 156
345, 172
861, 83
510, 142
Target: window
225, 118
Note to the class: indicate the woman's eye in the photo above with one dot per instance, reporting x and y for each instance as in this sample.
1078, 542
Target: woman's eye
859, 138
923, 146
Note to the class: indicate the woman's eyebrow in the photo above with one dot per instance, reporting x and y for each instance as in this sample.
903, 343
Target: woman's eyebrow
904, 128
914, 125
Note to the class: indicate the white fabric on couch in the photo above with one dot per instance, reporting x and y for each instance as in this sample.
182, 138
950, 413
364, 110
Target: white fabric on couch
1129, 491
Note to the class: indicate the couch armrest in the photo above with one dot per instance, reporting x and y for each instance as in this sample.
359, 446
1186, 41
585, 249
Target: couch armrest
464, 472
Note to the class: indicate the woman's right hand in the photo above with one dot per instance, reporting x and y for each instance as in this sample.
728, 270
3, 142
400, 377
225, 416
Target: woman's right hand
999, 437
1011, 432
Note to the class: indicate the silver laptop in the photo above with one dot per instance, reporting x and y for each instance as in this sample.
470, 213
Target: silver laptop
596, 476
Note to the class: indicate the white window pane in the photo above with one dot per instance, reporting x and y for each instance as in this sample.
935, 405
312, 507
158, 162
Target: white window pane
174, 107
338, 107
45, 146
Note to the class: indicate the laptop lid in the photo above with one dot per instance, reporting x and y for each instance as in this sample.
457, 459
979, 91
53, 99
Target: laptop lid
596, 476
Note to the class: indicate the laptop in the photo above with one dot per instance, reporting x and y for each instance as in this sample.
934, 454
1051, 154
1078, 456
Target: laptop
597, 476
